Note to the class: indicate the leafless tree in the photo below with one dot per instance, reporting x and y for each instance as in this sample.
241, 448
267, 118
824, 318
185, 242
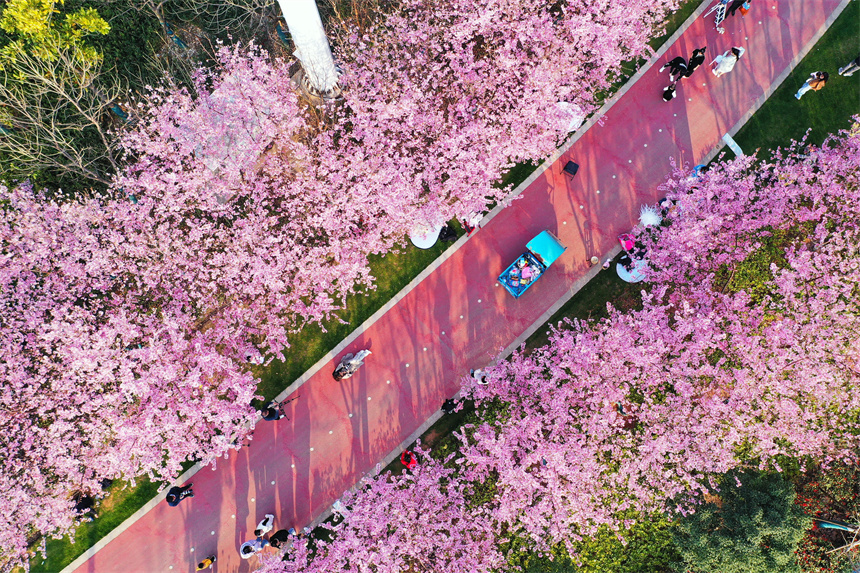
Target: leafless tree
54, 114
236, 16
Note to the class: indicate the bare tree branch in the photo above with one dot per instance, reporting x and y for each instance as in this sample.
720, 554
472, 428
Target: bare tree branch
55, 111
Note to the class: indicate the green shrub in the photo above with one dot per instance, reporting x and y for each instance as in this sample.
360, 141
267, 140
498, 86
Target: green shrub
646, 547
754, 527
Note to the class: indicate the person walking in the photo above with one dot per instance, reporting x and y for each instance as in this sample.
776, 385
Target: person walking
697, 58
447, 234
851, 67
265, 525
677, 68
177, 494
349, 364
250, 548
815, 82
206, 563
726, 62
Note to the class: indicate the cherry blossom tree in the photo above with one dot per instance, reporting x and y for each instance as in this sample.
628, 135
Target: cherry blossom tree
642, 410
420, 520
230, 191
443, 96
97, 382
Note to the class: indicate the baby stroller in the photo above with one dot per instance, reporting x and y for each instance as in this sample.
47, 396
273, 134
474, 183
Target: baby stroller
720, 9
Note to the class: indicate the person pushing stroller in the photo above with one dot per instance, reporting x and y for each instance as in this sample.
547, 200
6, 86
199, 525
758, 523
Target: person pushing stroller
349, 364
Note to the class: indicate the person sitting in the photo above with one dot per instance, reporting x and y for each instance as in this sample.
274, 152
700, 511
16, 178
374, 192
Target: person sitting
815, 82
447, 234
669, 92
626, 262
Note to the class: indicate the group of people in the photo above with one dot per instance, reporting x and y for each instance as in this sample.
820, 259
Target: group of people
680, 68
724, 63
276, 540
818, 80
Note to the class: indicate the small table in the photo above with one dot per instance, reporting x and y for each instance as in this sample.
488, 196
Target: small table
634, 275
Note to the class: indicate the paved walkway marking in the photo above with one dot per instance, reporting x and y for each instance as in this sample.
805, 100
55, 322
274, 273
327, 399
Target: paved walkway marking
454, 317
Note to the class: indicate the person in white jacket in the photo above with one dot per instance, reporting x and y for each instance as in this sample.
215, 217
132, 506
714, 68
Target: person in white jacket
725, 63
265, 525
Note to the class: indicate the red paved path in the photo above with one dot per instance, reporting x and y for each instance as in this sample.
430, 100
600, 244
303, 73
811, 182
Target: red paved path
457, 316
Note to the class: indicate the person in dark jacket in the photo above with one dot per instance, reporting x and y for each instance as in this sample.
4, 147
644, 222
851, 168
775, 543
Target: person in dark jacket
281, 536
272, 412
677, 68
696, 60
177, 494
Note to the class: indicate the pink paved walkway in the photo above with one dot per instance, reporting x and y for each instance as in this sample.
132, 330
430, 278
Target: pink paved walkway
457, 316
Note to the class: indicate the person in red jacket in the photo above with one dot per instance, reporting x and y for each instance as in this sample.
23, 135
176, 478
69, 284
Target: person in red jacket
408, 459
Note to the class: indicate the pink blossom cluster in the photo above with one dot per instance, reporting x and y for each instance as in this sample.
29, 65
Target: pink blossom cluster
238, 206
442, 97
420, 520
98, 381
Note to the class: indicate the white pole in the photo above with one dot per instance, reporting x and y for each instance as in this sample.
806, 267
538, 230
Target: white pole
312, 48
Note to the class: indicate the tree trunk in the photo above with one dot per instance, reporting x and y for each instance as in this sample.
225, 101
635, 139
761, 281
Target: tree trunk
312, 47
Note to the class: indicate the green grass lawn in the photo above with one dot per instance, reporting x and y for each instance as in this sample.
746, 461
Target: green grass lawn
112, 510
783, 118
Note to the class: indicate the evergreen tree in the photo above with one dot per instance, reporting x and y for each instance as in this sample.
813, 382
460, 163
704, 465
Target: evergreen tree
753, 526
